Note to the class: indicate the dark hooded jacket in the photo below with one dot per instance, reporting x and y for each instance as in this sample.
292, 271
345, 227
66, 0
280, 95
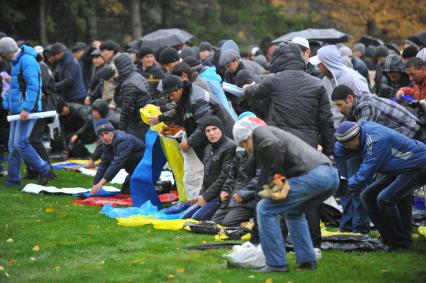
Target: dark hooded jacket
387, 88
195, 105
280, 152
216, 167
79, 122
102, 107
299, 102
131, 96
125, 151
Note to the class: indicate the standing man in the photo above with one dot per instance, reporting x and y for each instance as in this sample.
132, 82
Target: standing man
311, 178
24, 98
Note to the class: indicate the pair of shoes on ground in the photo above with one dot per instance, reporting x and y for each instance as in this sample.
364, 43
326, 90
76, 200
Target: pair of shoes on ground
285, 268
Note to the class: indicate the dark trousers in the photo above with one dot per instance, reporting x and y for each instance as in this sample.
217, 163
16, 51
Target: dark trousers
233, 216
387, 201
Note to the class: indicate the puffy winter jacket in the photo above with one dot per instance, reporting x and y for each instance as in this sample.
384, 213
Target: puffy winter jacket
131, 95
217, 163
125, 151
70, 84
298, 102
26, 83
385, 151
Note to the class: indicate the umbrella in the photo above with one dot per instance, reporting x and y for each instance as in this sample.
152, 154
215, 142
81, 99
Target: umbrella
325, 35
369, 40
165, 38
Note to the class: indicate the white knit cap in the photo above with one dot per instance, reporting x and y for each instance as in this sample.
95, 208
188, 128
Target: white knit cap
8, 45
243, 128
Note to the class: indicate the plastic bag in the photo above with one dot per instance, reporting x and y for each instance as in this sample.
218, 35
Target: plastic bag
246, 255
193, 174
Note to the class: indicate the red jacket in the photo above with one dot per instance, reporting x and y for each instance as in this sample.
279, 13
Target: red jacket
417, 91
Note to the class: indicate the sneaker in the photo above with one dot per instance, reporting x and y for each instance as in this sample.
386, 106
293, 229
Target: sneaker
268, 269
318, 253
44, 179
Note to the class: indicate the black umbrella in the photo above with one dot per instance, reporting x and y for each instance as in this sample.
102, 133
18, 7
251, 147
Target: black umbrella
165, 38
325, 35
369, 40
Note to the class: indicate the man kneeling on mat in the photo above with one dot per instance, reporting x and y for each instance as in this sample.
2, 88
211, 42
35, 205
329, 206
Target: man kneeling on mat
120, 150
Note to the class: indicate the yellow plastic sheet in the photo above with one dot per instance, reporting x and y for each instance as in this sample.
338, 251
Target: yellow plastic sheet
422, 231
136, 220
158, 224
170, 149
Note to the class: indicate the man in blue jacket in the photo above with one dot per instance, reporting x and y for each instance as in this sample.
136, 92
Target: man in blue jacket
120, 150
23, 99
401, 160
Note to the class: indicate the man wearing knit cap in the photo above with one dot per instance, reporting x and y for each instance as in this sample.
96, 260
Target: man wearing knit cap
401, 160
217, 163
150, 70
169, 57
24, 98
109, 50
120, 150
207, 54
311, 178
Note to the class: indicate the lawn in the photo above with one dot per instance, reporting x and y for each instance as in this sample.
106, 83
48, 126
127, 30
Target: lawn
50, 239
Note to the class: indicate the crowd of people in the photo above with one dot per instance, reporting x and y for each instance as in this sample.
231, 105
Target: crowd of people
308, 121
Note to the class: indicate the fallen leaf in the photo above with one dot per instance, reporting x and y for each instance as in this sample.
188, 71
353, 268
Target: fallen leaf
218, 281
1, 268
171, 277
102, 262
181, 270
57, 268
384, 270
6, 226
251, 276
9, 240
11, 261
148, 231
33, 258
6, 274
49, 210
268, 280
36, 248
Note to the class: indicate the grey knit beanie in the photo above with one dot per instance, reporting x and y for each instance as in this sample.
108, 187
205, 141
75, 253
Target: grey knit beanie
8, 45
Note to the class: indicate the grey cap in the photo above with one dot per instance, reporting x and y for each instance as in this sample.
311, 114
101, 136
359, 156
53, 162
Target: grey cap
57, 48
359, 47
8, 45
96, 52
227, 57
244, 127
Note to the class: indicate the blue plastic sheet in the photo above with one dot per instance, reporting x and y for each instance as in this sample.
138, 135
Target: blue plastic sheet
146, 209
100, 193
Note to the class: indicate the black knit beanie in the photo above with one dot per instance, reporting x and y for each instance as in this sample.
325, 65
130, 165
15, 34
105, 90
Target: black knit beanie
145, 51
171, 83
212, 121
169, 55
341, 92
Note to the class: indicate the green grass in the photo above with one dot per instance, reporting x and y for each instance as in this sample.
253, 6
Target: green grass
77, 244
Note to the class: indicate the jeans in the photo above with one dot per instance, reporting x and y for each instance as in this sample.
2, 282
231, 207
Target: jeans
199, 213
387, 201
306, 191
354, 217
20, 148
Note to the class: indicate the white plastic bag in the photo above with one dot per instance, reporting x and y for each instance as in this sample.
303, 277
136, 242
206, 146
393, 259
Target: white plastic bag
246, 255
193, 174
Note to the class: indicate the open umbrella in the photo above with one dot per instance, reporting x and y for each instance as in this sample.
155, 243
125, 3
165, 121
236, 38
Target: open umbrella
369, 40
165, 38
325, 35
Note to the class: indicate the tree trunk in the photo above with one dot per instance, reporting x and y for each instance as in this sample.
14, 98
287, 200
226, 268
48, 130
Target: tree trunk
135, 15
42, 19
92, 21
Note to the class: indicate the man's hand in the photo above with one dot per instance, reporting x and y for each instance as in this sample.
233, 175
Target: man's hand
184, 146
87, 101
237, 198
98, 186
112, 106
224, 196
245, 87
73, 139
96, 44
201, 201
192, 201
24, 115
398, 94
153, 120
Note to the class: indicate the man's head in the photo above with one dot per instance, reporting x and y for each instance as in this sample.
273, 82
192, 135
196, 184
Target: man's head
77, 50
348, 133
394, 68
321, 67
57, 50
173, 87
108, 49
358, 50
183, 71
62, 108
381, 53
243, 130
195, 65
304, 47
105, 130
230, 59
169, 57
416, 69
100, 109
213, 128
147, 57
8, 48
343, 98
97, 59
205, 49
